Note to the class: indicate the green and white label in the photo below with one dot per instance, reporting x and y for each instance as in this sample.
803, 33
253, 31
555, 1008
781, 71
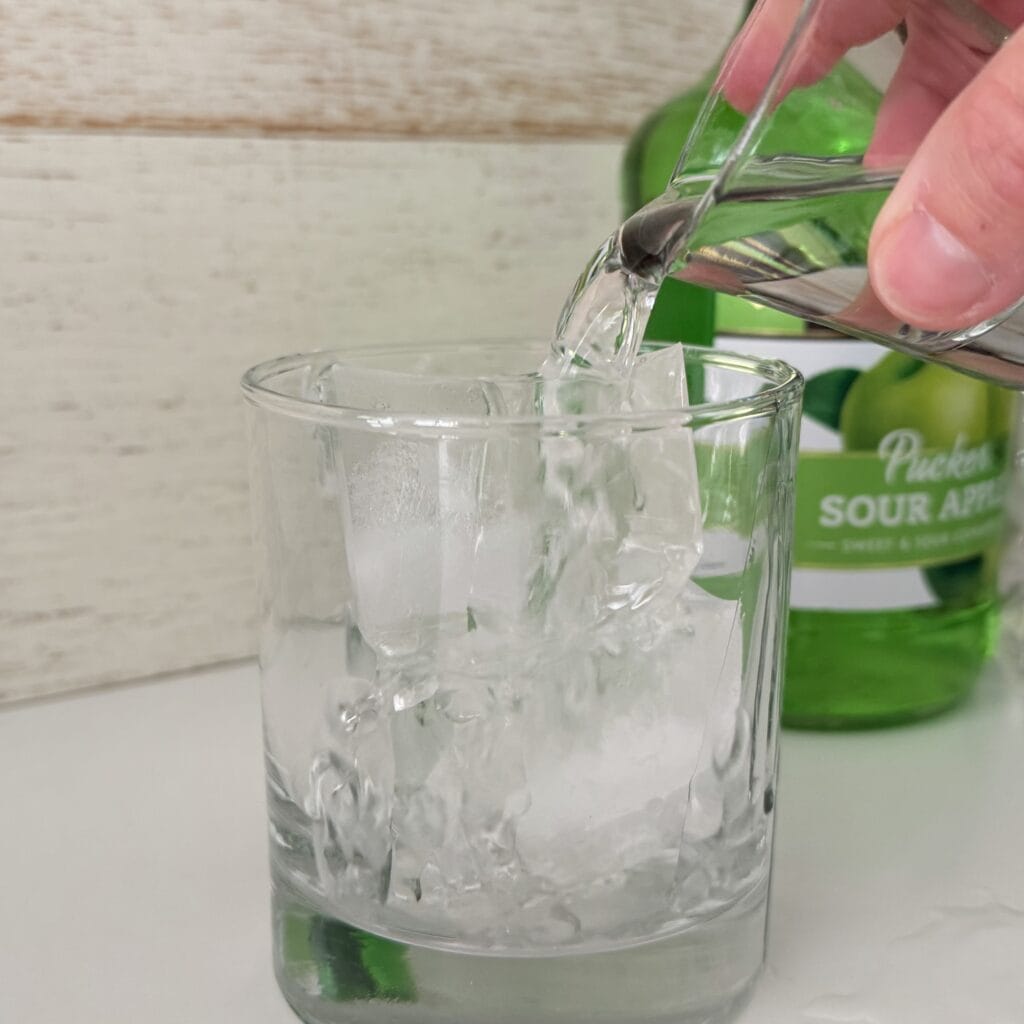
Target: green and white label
901, 481
903, 505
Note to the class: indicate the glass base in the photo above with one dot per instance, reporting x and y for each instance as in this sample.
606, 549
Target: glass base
333, 973
857, 670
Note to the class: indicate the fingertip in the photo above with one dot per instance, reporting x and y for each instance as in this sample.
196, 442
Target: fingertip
749, 62
742, 86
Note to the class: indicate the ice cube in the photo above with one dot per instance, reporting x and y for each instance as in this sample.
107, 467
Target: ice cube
420, 737
611, 776
666, 521
591, 812
408, 504
376, 391
410, 531
509, 531
350, 814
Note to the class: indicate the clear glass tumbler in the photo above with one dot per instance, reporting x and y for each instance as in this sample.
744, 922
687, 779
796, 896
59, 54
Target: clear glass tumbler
520, 681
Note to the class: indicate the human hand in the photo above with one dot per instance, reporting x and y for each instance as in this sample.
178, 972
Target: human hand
947, 249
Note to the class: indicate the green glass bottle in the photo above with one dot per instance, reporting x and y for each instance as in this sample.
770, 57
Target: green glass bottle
894, 600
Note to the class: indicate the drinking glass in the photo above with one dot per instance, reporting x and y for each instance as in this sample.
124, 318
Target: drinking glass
520, 676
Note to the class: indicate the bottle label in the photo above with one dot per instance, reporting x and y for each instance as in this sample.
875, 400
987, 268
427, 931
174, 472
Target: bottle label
906, 504
901, 480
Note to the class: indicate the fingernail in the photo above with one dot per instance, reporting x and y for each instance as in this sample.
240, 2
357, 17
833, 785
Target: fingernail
924, 274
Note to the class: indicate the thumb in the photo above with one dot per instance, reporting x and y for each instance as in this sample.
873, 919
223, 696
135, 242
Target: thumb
947, 249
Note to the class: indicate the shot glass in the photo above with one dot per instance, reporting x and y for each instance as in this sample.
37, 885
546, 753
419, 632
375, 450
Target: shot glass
520, 680
791, 160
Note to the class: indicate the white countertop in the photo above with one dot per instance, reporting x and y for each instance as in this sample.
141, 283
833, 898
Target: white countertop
135, 884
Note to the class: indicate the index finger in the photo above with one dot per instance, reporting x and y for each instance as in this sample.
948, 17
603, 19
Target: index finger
834, 27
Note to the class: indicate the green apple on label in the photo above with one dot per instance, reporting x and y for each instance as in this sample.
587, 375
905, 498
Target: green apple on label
900, 392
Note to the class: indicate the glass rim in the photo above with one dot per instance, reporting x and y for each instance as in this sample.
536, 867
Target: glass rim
785, 386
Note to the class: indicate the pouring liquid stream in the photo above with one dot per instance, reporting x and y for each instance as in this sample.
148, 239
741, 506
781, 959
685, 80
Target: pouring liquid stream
791, 237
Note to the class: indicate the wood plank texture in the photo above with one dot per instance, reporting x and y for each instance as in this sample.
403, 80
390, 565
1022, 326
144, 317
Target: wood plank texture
138, 278
458, 68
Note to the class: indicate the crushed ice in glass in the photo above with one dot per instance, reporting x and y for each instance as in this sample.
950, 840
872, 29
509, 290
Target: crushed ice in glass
532, 734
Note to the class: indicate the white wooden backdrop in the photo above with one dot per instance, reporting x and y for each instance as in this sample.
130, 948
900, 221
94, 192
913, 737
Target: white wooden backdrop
467, 68
189, 186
